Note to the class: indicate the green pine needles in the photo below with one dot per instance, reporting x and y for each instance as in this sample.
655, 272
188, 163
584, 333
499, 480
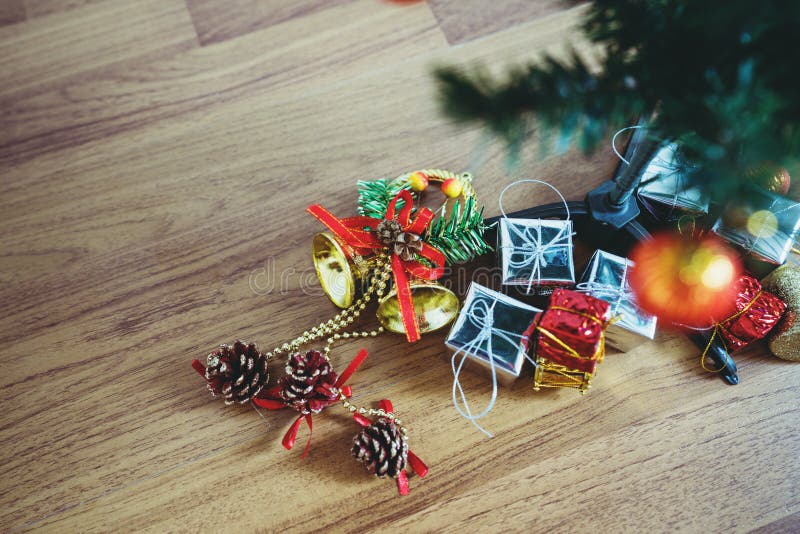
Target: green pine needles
721, 77
374, 195
460, 236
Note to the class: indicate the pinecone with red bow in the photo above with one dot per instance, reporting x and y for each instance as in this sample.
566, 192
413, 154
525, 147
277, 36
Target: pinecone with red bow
237, 373
382, 448
309, 383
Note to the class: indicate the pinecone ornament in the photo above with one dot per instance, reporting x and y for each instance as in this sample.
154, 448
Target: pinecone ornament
406, 245
388, 230
382, 448
237, 372
309, 383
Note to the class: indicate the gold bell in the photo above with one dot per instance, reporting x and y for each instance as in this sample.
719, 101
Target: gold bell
435, 307
343, 275
341, 272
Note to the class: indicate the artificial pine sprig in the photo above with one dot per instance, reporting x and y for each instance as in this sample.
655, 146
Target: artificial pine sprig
460, 236
374, 195
716, 75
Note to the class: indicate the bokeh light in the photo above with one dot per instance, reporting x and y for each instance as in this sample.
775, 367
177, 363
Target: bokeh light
685, 280
762, 223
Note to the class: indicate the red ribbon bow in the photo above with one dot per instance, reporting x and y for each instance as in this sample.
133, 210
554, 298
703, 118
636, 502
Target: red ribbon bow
414, 461
351, 231
271, 400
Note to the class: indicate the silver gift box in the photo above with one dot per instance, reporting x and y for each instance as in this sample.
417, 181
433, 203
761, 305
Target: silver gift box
766, 225
491, 321
606, 278
665, 190
536, 253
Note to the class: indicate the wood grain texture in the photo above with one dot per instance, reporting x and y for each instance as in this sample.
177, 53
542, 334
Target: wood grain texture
38, 8
150, 194
217, 21
465, 20
11, 11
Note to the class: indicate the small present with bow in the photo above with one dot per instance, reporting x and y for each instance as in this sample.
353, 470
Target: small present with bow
606, 278
568, 340
666, 191
536, 254
754, 313
489, 331
762, 223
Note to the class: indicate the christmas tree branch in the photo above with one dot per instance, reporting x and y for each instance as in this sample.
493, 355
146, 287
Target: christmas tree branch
718, 72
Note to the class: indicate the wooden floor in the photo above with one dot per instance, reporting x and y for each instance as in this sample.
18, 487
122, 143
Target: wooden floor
156, 157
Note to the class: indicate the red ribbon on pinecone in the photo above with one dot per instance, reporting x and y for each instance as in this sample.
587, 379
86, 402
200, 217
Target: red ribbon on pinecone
372, 453
323, 389
351, 231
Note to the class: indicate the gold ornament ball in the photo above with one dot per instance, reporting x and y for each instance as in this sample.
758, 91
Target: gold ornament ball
784, 340
452, 187
418, 181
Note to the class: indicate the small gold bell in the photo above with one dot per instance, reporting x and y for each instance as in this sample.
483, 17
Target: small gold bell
344, 274
435, 306
341, 272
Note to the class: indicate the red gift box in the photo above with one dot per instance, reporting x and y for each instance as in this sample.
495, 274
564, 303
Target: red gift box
756, 312
577, 320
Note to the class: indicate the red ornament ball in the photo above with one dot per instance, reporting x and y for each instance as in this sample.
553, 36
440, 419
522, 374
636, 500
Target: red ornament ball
771, 177
683, 279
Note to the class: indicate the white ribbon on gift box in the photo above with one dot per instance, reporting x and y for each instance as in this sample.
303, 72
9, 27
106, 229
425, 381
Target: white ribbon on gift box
533, 250
771, 247
604, 291
481, 315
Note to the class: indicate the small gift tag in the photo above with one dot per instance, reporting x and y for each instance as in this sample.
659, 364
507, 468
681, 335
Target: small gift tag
665, 190
606, 278
761, 222
535, 254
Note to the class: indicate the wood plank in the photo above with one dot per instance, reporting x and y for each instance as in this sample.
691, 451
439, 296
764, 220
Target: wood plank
77, 42
127, 254
39, 8
217, 21
143, 90
625, 453
11, 12
154, 206
464, 20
